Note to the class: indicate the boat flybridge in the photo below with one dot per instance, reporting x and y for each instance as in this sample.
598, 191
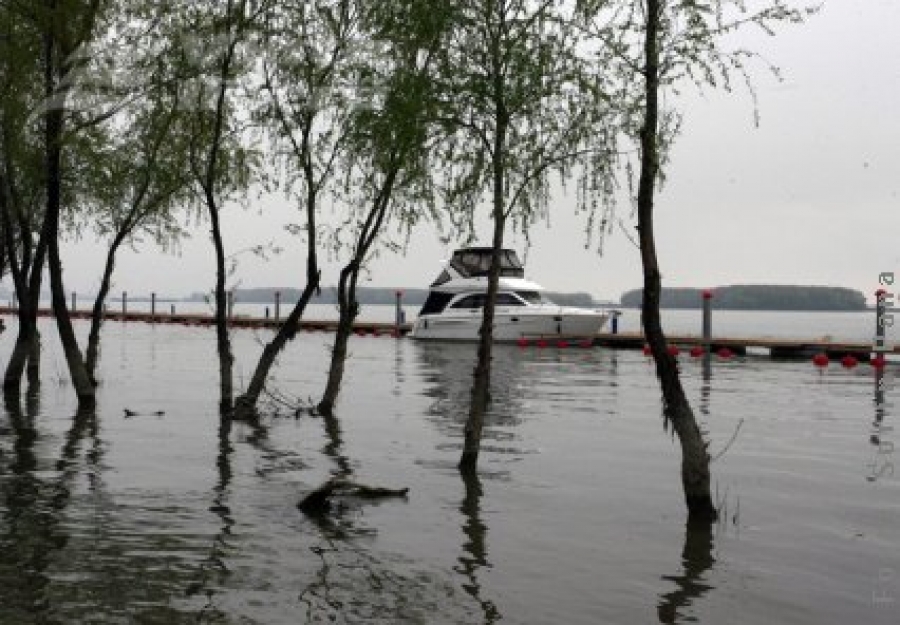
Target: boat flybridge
453, 310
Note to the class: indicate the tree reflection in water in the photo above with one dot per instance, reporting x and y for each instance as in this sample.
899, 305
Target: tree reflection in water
474, 556
696, 560
33, 531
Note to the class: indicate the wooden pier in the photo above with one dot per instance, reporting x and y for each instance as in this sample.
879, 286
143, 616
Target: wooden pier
776, 347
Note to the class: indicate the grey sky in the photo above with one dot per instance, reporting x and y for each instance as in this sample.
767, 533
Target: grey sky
809, 197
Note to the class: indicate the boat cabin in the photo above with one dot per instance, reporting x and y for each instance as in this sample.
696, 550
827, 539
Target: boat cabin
475, 262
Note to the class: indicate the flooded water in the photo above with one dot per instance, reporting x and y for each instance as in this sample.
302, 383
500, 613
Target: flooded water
577, 516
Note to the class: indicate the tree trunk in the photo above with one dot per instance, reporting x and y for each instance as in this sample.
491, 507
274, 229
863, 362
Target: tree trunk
695, 476
246, 404
53, 135
482, 375
21, 354
223, 341
93, 346
349, 309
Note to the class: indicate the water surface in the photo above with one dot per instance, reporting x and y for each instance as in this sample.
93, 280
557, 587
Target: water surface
576, 517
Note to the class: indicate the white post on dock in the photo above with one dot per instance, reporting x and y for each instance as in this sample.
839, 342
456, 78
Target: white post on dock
707, 319
153, 305
124, 302
277, 305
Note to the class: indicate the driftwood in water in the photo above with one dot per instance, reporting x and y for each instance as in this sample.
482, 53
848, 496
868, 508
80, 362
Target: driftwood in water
318, 501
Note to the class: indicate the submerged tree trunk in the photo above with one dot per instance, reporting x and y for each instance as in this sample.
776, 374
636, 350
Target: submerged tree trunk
53, 137
348, 310
223, 340
482, 375
84, 389
245, 407
93, 346
347, 303
695, 476
26, 352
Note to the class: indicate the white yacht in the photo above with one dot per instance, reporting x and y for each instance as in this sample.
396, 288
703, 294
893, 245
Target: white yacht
453, 309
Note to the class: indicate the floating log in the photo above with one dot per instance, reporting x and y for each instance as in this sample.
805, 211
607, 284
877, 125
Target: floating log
319, 500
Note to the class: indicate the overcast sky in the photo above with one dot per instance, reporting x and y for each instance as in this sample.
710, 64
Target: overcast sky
809, 197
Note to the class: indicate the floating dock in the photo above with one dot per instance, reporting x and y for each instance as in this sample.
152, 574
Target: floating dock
776, 347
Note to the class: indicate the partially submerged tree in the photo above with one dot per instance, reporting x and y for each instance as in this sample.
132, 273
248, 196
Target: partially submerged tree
140, 183
308, 85
218, 161
387, 165
659, 44
68, 27
524, 113
21, 187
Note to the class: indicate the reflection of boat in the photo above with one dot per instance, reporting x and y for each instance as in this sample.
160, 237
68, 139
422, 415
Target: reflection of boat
453, 309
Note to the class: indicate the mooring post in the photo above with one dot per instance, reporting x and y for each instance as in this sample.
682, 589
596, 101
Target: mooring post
399, 316
153, 306
707, 319
277, 305
173, 310
74, 307
124, 303
614, 321
880, 320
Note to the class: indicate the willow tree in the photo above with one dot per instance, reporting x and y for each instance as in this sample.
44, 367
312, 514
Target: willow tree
524, 114
659, 44
139, 183
21, 186
387, 173
67, 29
308, 84
213, 62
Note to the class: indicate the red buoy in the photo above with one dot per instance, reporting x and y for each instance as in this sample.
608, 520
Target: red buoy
673, 351
849, 361
522, 342
562, 343
878, 361
820, 360
647, 350
707, 294
586, 343
697, 351
541, 343
724, 352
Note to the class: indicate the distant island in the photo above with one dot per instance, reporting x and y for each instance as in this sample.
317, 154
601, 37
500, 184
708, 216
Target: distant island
758, 297
370, 296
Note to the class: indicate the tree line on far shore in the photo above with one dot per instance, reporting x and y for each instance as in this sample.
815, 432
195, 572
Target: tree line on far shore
758, 297
371, 296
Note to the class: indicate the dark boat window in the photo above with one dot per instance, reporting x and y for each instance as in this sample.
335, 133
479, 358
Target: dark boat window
533, 297
476, 262
435, 303
470, 301
508, 299
441, 279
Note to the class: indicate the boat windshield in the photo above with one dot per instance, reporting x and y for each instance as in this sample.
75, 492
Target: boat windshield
533, 297
476, 262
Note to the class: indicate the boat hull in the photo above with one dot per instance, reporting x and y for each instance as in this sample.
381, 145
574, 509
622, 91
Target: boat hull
510, 326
